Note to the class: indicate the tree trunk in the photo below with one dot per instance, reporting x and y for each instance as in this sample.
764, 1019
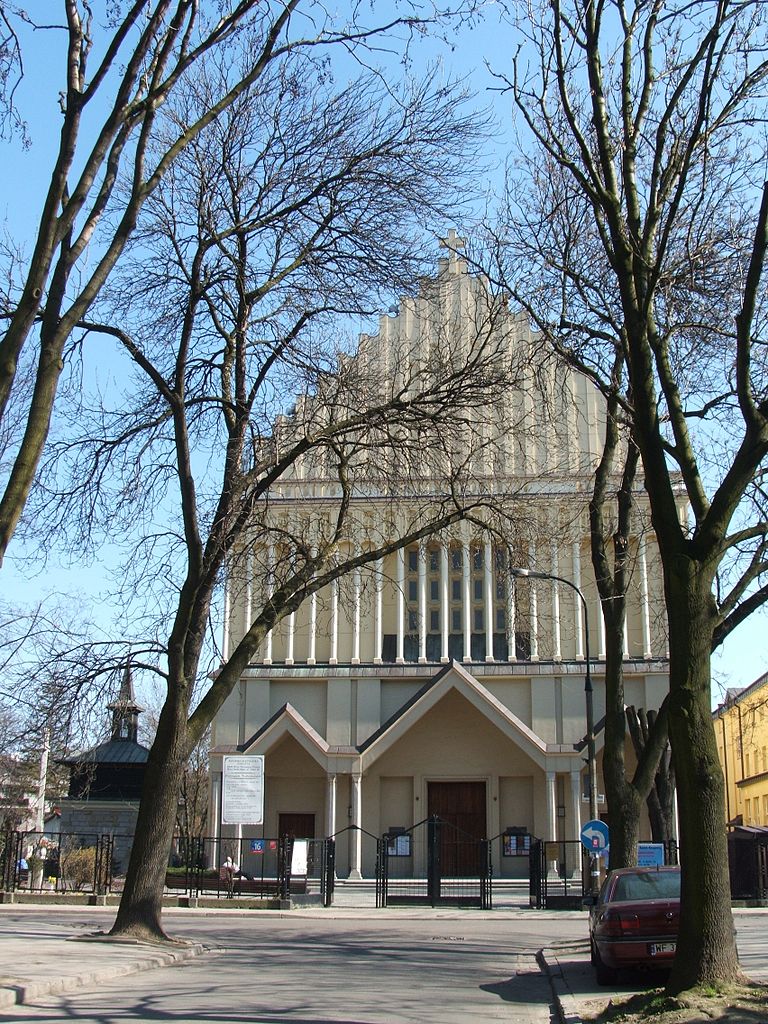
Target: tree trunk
706, 951
624, 802
139, 914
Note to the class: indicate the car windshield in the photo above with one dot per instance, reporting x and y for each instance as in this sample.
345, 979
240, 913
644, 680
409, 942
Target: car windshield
648, 885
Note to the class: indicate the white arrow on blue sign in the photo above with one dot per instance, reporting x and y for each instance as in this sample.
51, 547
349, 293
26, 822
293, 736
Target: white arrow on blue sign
595, 836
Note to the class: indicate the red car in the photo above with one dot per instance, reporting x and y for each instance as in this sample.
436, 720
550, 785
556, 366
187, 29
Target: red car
634, 921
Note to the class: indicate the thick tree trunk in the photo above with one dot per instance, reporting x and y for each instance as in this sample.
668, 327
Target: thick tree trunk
706, 951
140, 908
624, 802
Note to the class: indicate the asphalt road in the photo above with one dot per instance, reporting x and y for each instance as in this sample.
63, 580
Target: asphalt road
296, 970
466, 968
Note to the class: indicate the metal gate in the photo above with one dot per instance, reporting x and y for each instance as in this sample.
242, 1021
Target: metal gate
328, 883
435, 863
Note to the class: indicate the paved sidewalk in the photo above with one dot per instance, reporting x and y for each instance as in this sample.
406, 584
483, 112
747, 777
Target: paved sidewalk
40, 959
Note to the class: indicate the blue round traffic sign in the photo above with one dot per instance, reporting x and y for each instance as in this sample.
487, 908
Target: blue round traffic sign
595, 836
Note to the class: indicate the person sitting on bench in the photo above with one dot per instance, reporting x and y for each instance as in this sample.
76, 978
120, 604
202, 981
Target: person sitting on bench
229, 871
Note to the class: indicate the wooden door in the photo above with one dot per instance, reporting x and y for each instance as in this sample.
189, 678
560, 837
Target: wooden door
461, 806
297, 826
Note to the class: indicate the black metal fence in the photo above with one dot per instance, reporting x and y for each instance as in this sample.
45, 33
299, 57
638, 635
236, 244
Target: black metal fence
562, 873
70, 862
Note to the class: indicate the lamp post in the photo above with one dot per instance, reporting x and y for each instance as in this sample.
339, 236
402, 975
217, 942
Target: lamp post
588, 699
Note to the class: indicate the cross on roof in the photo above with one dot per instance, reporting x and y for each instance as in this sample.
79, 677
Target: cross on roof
452, 242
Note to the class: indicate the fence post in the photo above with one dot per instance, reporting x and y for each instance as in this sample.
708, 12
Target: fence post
329, 875
433, 859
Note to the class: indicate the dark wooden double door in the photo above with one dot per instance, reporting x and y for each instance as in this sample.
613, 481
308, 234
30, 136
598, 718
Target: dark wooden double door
461, 808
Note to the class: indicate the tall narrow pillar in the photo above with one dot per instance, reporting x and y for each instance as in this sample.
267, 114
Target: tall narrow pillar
444, 605
488, 580
357, 815
331, 801
466, 567
312, 651
578, 618
552, 869
645, 606
533, 597
575, 866
400, 658
511, 619
290, 639
378, 628
557, 654
334, 658
356, 589
268, 590
422, 602
225, 630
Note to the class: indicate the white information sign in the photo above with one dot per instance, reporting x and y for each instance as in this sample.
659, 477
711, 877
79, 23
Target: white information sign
242, 790
299, 857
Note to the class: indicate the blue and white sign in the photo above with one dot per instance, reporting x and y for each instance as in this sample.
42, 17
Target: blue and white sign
595, 836
650, 855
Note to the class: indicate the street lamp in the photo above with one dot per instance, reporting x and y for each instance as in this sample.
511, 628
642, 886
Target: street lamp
533, 574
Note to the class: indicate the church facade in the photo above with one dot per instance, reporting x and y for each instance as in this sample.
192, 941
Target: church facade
448, 677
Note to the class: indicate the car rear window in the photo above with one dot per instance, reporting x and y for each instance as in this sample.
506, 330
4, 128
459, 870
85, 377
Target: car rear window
648, 885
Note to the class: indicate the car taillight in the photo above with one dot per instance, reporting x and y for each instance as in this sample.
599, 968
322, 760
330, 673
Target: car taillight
616, 924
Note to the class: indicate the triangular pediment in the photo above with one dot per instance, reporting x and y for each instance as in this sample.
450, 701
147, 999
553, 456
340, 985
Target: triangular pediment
287, 721
454, 678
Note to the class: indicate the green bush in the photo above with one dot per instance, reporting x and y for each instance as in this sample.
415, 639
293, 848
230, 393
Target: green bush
77, 867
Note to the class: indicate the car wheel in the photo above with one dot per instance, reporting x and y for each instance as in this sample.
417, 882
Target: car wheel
604, 975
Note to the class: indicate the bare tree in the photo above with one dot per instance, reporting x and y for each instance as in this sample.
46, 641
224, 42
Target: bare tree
644, 158
115, 80
301, 204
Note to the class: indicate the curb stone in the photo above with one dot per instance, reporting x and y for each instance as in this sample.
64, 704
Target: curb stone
567, 1006
14, 994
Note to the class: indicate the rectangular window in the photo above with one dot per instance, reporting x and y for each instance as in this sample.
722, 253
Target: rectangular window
501, 620
477, 558
412, 622
456, 625
501, 589
433, 559
478, 590
412, 590
747, 811
746, 764
456, 590
479, 620
434, 590
434, 622
413, 559
765, 810
456, 558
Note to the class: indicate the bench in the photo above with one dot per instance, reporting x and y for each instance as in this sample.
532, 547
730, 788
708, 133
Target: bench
212, 883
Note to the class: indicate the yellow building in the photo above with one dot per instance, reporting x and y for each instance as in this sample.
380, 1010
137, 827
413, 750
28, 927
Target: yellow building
741, 726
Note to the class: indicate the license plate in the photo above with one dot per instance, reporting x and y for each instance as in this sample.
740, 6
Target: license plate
654, 948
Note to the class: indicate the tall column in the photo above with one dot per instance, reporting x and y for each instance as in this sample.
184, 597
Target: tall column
248, 590
444, 605
577, 609
225, 630
400, 658
576, 803
312, 652
466, 568
552, 822
601, 629
533, 597
511, 619
357, 815
215, 826
334, 658
378, 628
356, 588
645, 606
557, 654
488, 579
422, 602
268, 589
331, 800
291, 633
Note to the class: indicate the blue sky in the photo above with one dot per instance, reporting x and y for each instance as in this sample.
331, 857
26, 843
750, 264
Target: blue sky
744, 656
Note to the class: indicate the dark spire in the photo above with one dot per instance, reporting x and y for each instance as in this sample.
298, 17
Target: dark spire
125, 710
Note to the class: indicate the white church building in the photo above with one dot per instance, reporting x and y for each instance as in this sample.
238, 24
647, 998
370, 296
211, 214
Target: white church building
436, 681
